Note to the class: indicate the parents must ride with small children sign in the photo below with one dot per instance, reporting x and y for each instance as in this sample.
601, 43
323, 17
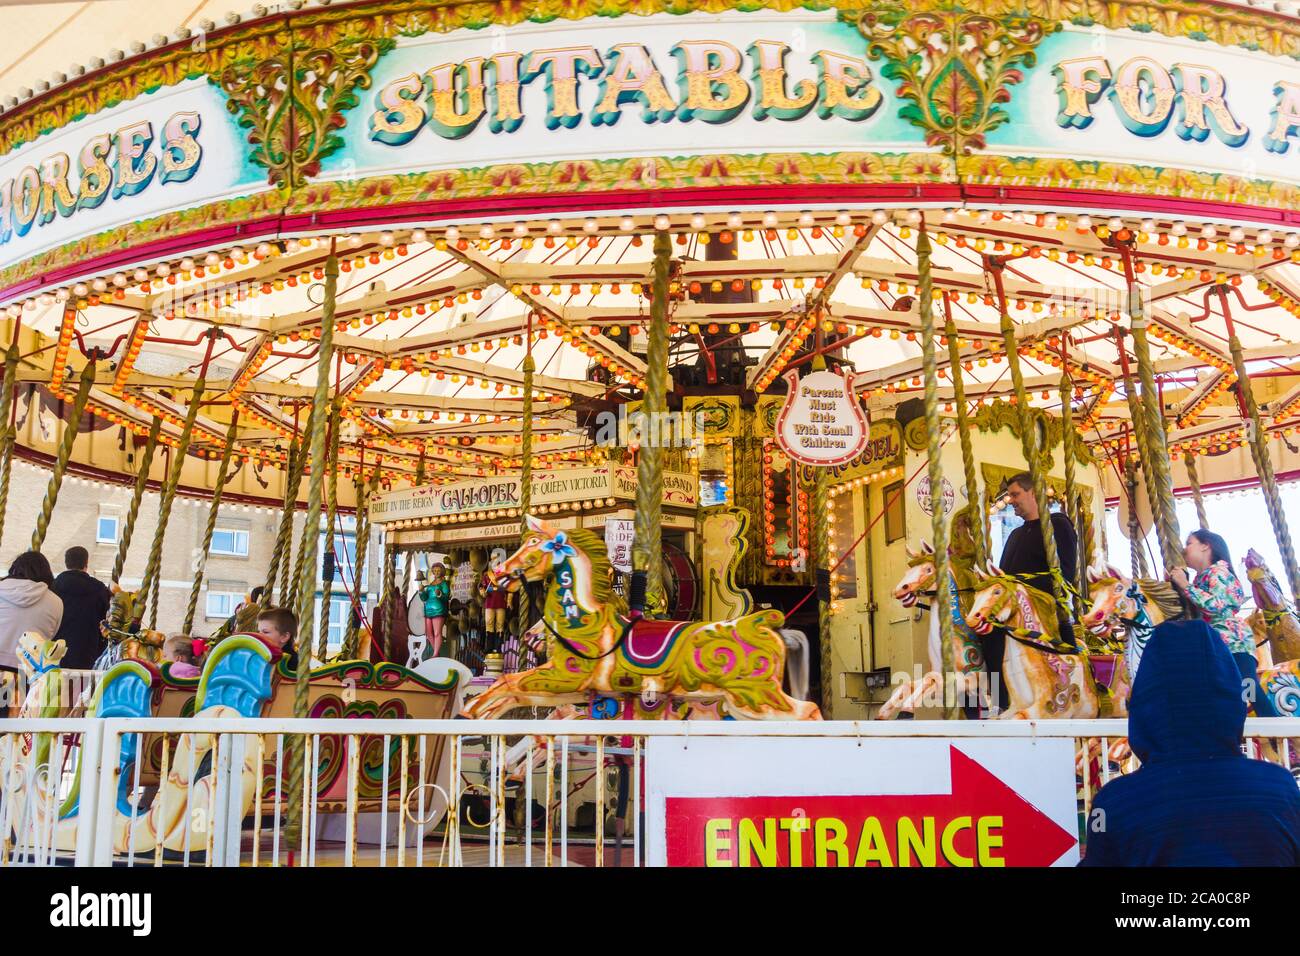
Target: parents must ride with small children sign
854, 802
822, 423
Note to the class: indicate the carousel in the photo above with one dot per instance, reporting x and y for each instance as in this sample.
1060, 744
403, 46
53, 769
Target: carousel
725, 329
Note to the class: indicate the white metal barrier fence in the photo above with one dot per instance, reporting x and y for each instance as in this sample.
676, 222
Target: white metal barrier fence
214, 792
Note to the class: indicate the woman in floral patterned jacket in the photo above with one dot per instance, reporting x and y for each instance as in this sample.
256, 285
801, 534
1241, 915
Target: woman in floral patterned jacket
1218, 595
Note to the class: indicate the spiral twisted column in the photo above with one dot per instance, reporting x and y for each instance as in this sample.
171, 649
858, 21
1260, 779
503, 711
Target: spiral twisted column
70, 430
1194, 481
7, 436
1070, 504
331, 515
165, 498
315, 487
978, 527
137, 496
934, 469
522, 621
223, 473
647, 538
1156, 461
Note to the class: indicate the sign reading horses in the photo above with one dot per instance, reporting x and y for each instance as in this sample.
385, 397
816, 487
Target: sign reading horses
767, 802
821, 423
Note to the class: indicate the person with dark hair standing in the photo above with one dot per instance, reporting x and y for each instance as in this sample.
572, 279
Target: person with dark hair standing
1218, 595
27, 603
85, 604
1023, 555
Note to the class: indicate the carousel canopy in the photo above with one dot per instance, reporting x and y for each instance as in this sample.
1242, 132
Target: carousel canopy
470, 248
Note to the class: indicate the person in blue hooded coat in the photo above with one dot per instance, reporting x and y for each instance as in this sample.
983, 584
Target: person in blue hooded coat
1196, 800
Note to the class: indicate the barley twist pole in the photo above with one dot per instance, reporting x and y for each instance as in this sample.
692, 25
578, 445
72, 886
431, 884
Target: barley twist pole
522, 621
168, 492
7, 436
70, 429
1259, 452
964, 435
315, 487
1194, 480
934, 471
1029, 444
647, 539
1070, 505
352, 644
223, 472
137, 496
331, 513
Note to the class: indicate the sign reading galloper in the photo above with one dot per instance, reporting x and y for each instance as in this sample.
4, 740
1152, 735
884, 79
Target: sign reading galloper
822, 422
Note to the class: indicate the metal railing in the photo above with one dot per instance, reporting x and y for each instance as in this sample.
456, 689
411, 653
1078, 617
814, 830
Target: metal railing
214, 792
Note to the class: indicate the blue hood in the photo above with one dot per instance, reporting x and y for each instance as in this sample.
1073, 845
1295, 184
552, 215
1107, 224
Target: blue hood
1187, 697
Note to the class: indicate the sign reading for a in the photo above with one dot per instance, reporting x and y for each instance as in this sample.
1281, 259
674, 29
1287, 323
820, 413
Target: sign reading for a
822, 421
838, 802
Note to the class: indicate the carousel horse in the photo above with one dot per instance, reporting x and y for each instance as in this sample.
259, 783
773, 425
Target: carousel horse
1134, 606
967, 649
1043, 682
124, 642
594, 650
1274, 620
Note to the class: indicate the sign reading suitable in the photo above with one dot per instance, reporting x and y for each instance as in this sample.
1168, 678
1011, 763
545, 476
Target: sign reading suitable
822, 802
822, 421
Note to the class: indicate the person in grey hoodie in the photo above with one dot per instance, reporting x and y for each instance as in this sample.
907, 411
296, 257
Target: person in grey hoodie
27, 603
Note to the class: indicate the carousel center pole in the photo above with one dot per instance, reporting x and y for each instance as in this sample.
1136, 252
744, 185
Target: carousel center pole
7, 436
137, 496
1259, 452
1029, 438
311, 528
223, 472
70, 430
647, 535
1156, 460
173, 479
934, 470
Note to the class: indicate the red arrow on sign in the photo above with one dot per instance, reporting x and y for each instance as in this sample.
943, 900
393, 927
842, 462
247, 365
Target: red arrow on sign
982, 822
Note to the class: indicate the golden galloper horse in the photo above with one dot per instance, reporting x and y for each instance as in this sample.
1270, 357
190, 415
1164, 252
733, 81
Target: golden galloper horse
594, 650
1041, 682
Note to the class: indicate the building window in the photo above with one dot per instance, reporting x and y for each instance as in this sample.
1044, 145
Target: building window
340, 609
106, 529
229, 541
222, 604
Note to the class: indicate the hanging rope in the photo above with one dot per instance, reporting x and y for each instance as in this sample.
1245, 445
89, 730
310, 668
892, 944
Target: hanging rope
223, 473
1260, 454
934, 467
331, 515
315, 486
1029, 437
979, 530
647, 536
7, 430
167, 494
70, 429
137, 495
1194, 481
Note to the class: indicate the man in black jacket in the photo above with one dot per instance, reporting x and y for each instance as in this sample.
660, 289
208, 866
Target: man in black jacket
85, 604
1025, 556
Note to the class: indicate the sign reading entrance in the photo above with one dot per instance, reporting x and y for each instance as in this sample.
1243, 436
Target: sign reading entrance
822, 422
818, 802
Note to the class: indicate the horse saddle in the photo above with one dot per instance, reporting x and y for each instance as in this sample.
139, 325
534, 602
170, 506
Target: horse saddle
650, 642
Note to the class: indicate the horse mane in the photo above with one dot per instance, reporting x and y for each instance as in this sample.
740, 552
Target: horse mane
593, 546
1164, 595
